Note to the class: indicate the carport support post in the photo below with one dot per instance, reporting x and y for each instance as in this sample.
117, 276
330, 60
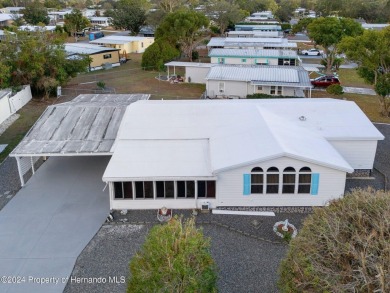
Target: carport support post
309, 92
32, 165
20, 171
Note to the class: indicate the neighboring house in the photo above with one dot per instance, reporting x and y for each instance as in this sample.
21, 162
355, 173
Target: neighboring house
147, 31
255, 34
126, 44
235, 81
58, 17
3, 34
251, 43
374, 26
100, 21
258, 27
7, 19
12, 10
101, 57
262, 17
254, 57
189, 154
31, 28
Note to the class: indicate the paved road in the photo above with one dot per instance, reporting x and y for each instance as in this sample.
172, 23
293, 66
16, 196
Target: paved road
48, 223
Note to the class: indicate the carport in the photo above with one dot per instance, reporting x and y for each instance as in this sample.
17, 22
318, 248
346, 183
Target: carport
85, 126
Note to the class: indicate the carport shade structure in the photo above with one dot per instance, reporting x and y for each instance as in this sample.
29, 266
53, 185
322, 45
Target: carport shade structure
85, 126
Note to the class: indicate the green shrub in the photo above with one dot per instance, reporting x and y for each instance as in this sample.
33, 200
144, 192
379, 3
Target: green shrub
265, 96
157, 54
335, 89
101, 85
174, 258
344, 247
195, 55
285, 26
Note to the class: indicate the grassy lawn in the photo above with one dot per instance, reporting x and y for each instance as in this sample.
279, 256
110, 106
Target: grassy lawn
130, 78
368, 104
349, 77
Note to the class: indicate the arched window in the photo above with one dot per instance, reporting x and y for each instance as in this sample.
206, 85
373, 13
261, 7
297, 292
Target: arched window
273, 180
288, 180
257, 180
304, 183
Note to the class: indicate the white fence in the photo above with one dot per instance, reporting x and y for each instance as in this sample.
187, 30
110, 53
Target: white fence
9, 104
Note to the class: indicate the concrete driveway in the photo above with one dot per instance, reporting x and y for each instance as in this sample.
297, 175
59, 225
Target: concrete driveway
48, 223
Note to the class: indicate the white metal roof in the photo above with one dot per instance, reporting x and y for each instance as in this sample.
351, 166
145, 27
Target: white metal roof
118, 39
238, 132
251, 42
265, 53
191, 159
261, 74
83, 48
5, 16
188, 64
269, 34
86, 125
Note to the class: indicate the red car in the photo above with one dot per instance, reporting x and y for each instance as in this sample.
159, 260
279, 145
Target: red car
325, 81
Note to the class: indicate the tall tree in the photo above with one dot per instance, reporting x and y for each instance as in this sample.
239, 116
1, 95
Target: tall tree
182, 28
170, 5
371, 52
75, 22
35, 13
257, 5
39, 59
328, 32
223, 13
129, 15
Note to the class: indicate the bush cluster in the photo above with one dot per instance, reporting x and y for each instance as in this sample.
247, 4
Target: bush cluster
335, 89
174, 258
344, 247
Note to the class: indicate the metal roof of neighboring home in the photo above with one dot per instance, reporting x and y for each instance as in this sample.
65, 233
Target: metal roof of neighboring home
188, 64
86, 125
88, 49
262, 74
272, 53
118, 39
251, 42
256, 34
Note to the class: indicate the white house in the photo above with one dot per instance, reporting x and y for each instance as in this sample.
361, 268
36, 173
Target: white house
255, 34
188, 154
237, 81
250, 43
254, 57
100, 21
258, 27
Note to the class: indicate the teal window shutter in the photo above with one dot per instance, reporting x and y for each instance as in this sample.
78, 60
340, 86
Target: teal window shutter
247, 184
315, 180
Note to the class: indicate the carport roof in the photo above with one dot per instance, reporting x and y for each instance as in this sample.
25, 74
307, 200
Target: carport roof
87, 125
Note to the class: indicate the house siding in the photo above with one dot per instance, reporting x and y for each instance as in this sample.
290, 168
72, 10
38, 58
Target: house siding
197, 74
230, 186
242, 89
359, 154
98, 59
143, 204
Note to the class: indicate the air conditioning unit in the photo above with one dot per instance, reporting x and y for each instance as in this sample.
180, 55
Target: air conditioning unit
205, 206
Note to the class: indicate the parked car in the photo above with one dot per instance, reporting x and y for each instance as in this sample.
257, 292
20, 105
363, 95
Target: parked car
325, 81
312, 52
